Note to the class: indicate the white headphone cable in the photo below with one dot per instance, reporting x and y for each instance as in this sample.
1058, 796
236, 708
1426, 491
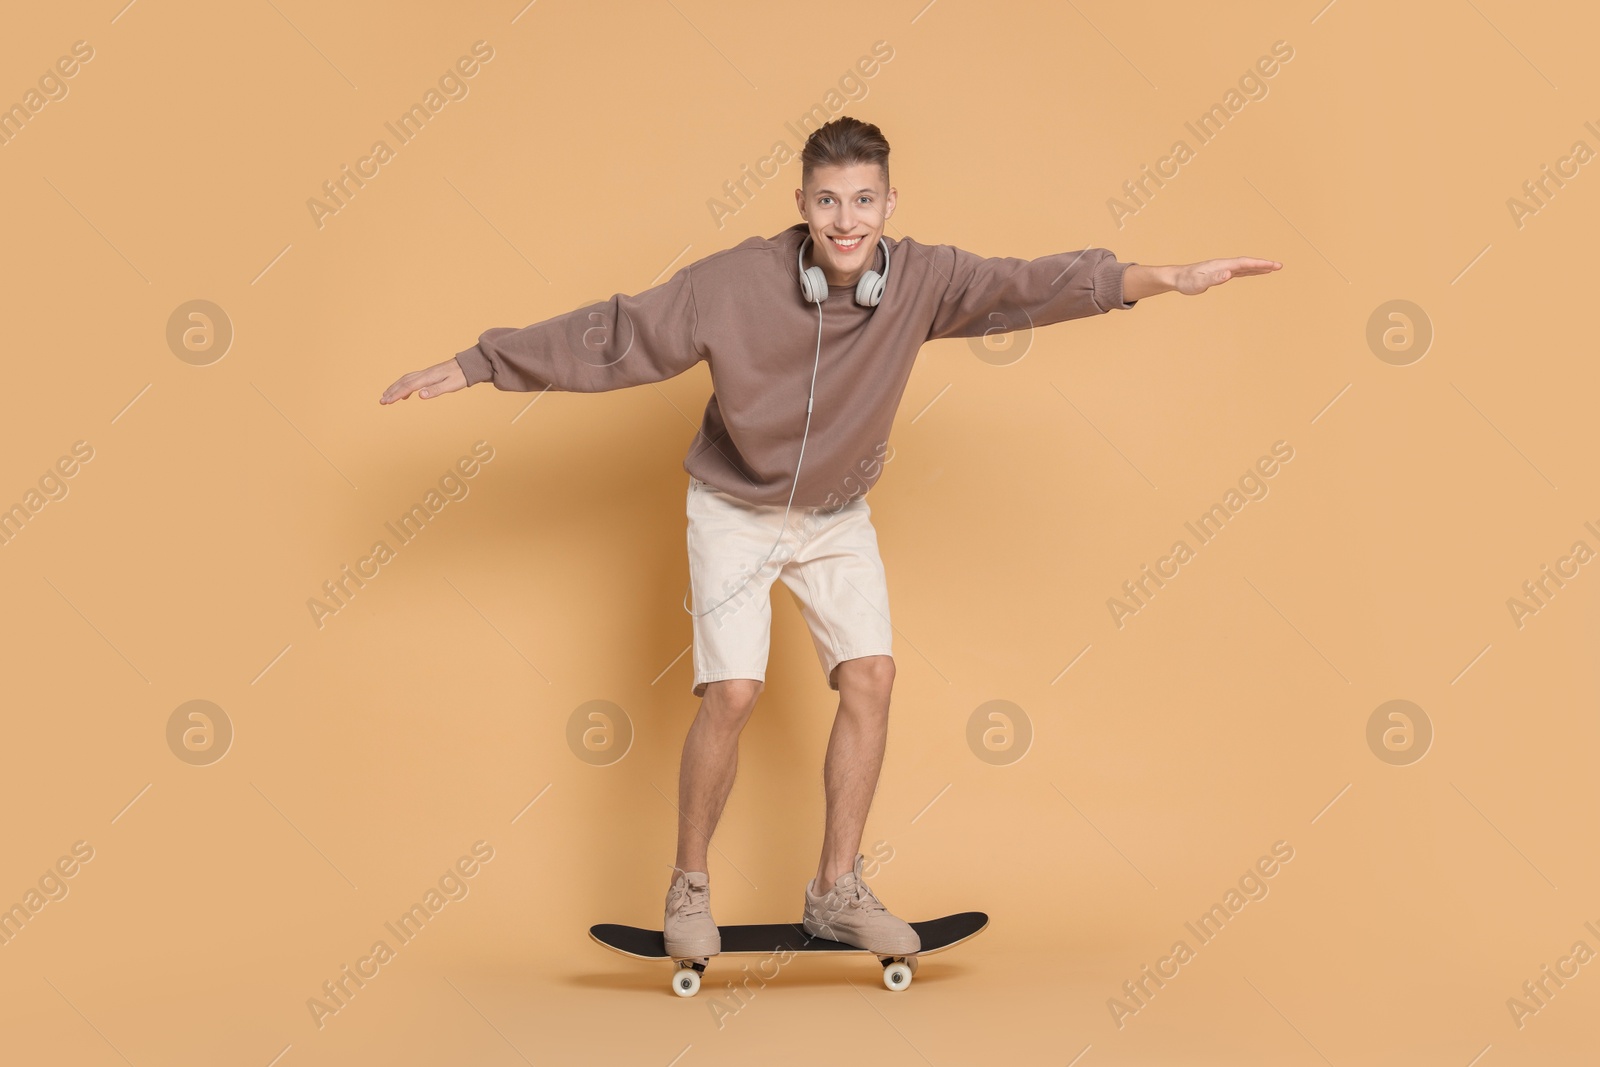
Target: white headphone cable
785, 527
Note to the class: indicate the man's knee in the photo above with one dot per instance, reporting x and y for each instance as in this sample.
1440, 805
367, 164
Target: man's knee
730, 701
869, 676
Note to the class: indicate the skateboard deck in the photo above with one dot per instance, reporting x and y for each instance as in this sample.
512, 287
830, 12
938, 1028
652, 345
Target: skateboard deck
936, 935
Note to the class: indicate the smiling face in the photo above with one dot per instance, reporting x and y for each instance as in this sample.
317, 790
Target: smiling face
845, 208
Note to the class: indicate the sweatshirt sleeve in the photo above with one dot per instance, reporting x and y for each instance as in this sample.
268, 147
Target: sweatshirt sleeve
1006, 293
627, 340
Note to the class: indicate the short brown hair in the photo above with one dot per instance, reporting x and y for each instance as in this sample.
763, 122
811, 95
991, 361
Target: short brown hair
843, 142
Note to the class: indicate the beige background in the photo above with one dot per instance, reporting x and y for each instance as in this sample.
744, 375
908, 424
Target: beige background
1229, 714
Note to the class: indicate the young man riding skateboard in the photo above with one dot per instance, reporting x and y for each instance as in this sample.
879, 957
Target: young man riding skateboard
747, 312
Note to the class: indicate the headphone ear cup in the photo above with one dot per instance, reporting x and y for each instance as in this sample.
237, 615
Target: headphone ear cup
814, 285
869, 290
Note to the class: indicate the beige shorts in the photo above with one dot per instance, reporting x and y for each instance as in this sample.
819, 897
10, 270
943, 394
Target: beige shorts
828, 557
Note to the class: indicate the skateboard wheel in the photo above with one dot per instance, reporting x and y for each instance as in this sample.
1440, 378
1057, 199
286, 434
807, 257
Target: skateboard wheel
911, 961
686, 982
897, 976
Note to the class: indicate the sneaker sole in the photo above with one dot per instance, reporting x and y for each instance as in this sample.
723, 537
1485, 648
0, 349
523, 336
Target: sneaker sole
684, 950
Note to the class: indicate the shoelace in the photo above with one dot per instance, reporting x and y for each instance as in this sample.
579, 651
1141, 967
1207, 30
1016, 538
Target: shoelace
693, 900
860, 896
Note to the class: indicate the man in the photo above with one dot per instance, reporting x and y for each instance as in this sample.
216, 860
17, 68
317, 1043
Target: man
746, 311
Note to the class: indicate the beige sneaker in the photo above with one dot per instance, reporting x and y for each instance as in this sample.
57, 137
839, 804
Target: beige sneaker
850, 913
687, 927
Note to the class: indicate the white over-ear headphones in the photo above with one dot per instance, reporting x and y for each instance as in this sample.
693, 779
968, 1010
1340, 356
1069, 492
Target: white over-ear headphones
814, 287
814, 284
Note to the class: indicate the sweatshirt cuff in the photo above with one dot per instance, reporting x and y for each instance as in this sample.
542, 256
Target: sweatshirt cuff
1108, 284
475, 365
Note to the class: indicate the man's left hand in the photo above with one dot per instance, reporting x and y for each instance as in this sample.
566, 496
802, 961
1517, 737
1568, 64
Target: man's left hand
1195, 278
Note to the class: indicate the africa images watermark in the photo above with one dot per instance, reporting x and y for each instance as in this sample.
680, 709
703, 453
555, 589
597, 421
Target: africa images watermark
52, 886
1538, 192
1205, 129
852, 88
452, 486
452, 885
452, 85
52, 487
1251, 886
1537, 993
1252, 486
52, 88
1537, 592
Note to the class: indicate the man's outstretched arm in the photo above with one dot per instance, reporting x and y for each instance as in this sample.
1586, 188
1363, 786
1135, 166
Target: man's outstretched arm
983, 295
612, 344
1191, 279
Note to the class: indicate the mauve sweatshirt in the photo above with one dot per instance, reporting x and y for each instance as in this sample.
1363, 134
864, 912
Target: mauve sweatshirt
741, 311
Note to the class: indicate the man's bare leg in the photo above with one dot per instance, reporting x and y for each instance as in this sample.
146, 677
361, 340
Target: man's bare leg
855, 756
710, 757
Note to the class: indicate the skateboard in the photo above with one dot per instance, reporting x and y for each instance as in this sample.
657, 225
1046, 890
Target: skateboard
788, 939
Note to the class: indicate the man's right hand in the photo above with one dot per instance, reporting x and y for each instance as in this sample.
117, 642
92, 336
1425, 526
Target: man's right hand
440, 378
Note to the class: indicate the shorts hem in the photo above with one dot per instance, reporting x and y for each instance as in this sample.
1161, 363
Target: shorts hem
699, 690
